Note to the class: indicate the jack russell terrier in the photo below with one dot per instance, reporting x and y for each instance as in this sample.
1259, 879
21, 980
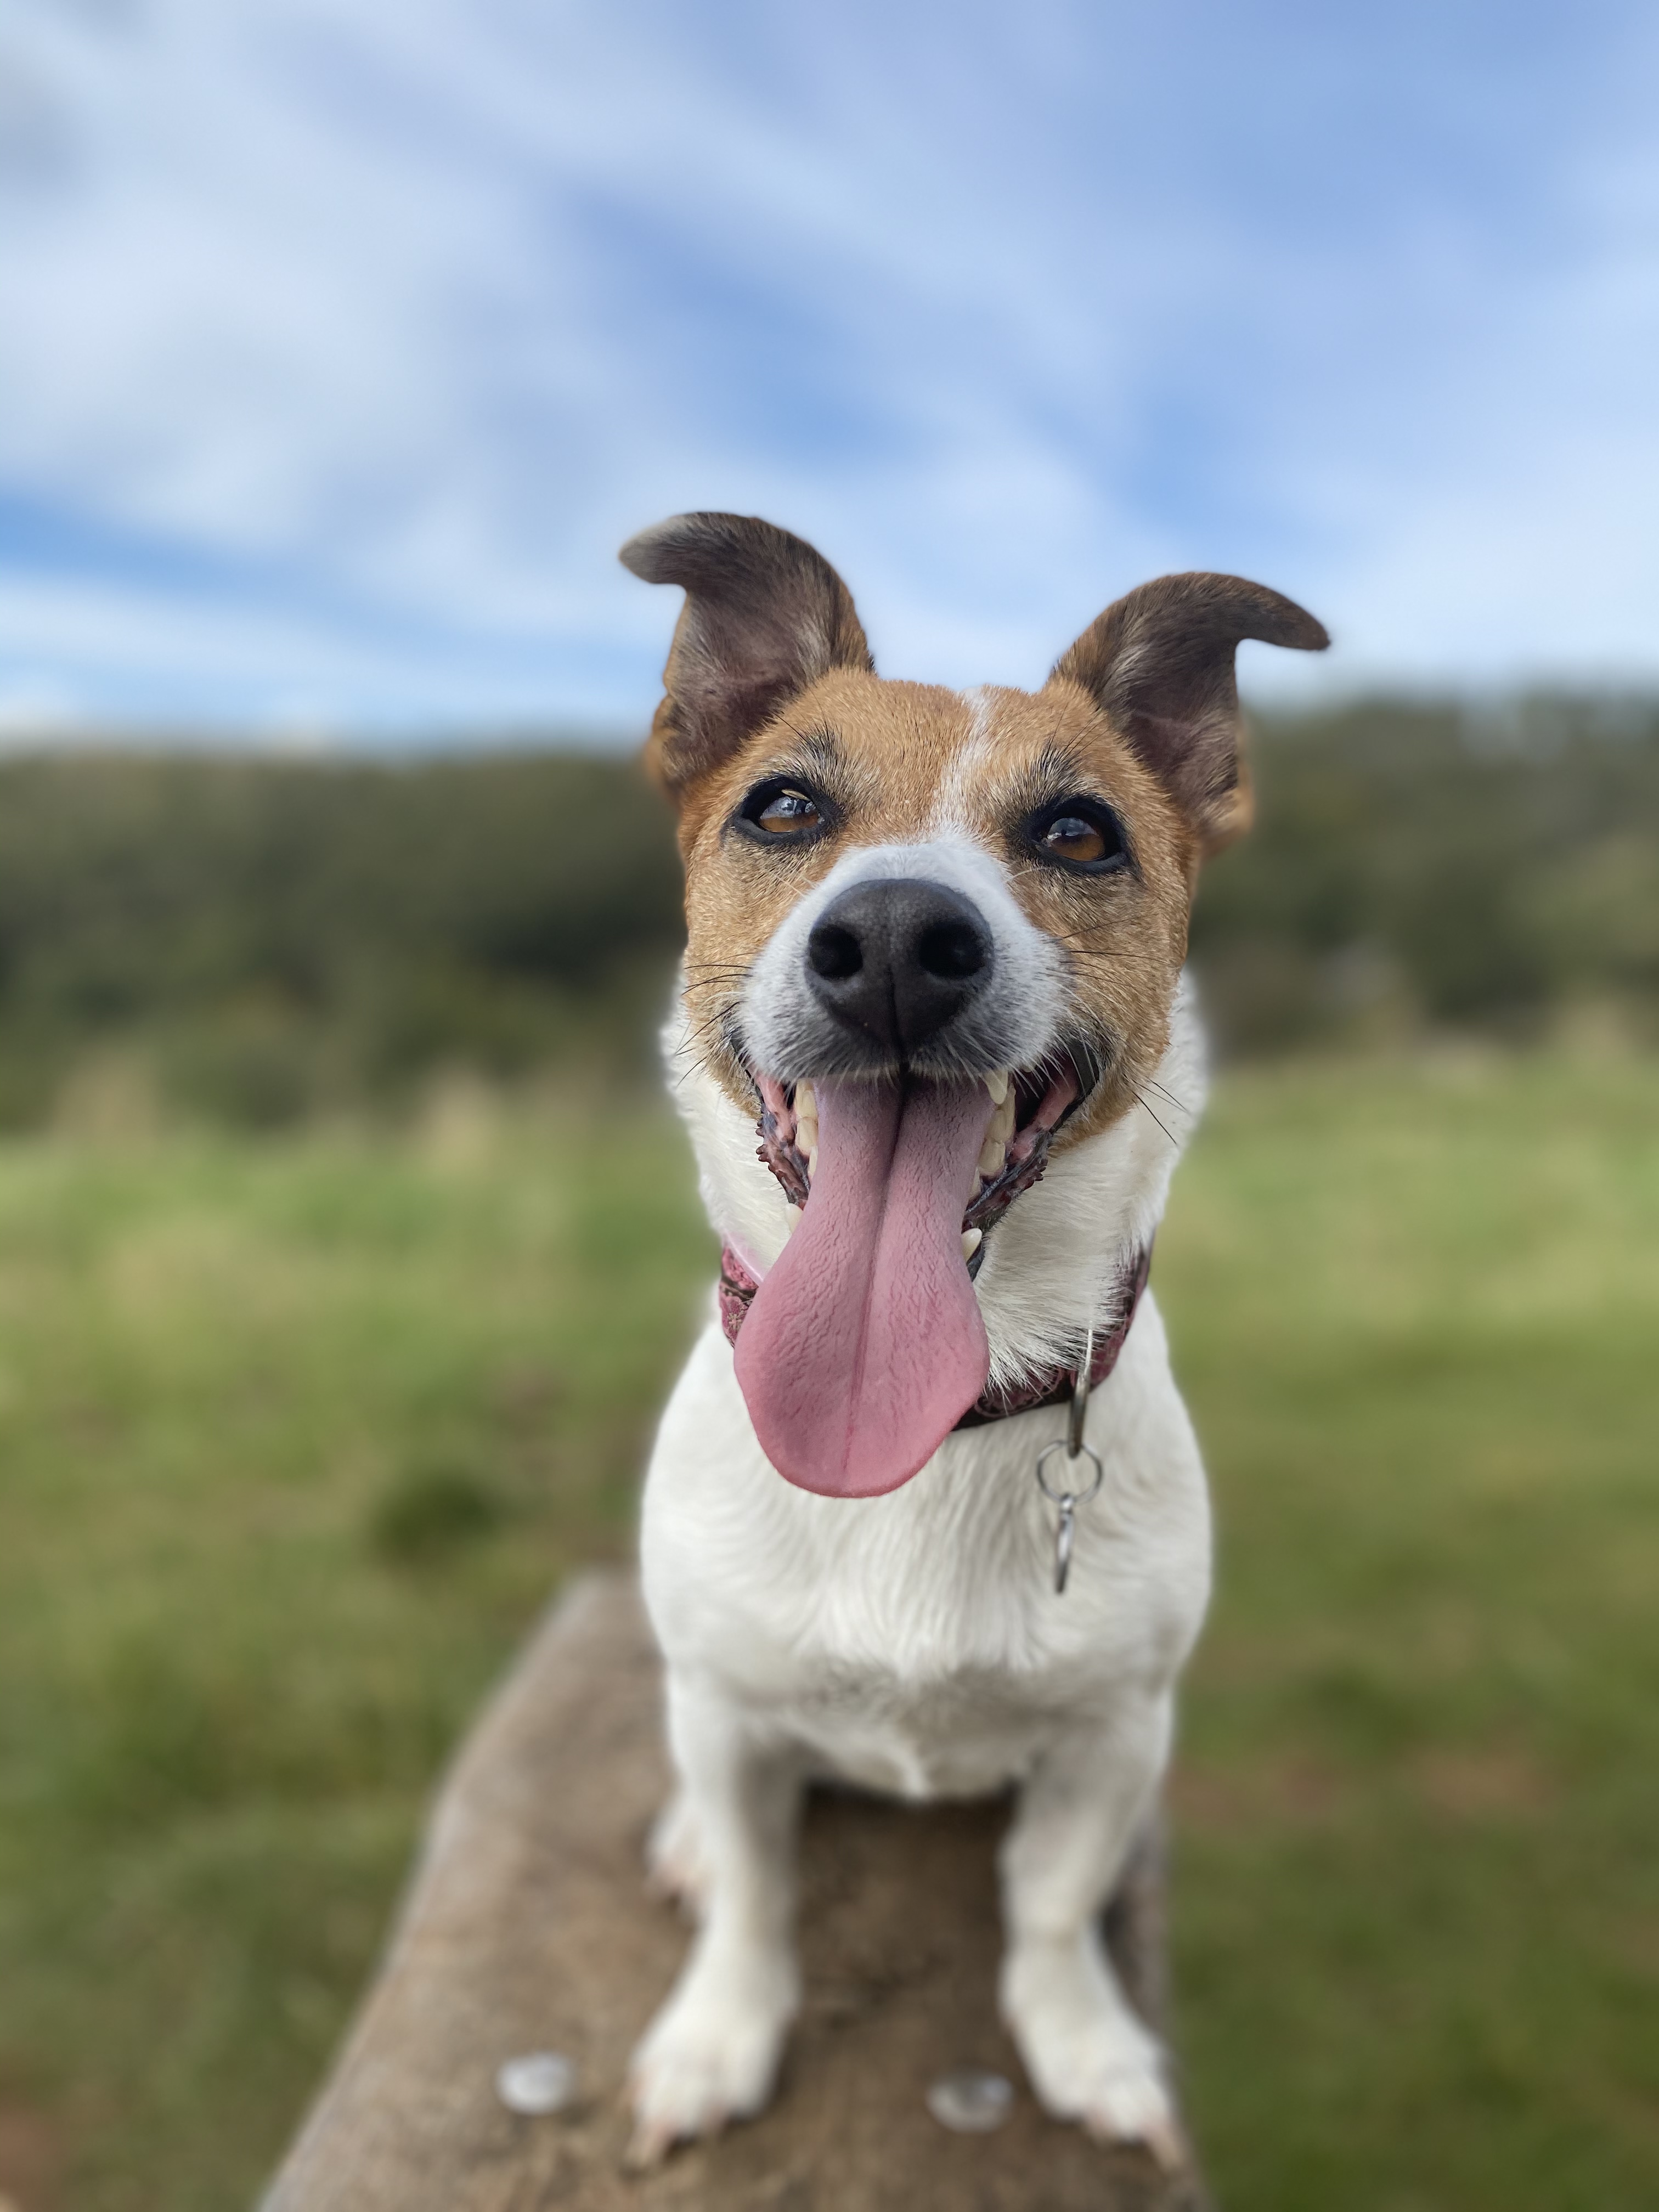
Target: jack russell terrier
935, 964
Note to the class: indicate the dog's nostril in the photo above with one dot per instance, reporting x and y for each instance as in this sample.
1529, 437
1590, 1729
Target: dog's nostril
893, 961
951, 951
834, 953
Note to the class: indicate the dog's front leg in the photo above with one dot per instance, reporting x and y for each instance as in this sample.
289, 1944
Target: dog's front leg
711, 2054
1090, 2059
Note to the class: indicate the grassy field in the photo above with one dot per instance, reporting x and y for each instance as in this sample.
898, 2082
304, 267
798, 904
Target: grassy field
296, 1435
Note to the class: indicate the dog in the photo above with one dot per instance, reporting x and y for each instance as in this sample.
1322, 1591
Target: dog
935, 963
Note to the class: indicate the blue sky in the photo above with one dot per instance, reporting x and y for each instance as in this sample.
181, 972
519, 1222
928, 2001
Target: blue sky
344, 340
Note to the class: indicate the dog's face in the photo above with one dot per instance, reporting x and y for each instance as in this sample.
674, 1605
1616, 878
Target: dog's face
931, 936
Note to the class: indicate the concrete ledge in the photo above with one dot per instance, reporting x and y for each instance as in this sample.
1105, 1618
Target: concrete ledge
527, 1928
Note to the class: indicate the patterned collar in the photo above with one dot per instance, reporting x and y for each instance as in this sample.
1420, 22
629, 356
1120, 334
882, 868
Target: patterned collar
1047, 1386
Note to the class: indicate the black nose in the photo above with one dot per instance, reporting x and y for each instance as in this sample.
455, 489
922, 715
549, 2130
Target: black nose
896, 961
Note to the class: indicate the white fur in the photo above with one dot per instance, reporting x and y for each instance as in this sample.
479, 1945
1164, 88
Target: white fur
914, 1643
963, 782
1011, 1020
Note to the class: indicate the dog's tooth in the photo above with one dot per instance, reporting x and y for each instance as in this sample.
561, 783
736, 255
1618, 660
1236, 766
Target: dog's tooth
1002, 1121
812, 1158
994, 1157
997, 1085
793, 1212
806, 1103
971, 1241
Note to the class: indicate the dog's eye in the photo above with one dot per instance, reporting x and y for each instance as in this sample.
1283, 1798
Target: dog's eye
783, 810
1081, 833
788, 813
1075, 838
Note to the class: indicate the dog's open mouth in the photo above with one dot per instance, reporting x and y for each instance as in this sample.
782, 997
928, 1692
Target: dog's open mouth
865, 1345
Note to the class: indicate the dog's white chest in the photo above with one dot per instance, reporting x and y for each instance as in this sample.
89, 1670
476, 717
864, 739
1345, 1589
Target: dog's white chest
960, 1734
915, 1644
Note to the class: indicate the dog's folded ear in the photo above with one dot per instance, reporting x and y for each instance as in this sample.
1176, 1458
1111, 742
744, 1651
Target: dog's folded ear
765, 616
1159, 664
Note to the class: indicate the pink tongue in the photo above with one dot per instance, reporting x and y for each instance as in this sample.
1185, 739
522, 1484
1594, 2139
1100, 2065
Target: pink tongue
864, 1345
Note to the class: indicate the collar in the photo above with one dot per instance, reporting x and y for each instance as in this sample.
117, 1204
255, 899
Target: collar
1044, 1386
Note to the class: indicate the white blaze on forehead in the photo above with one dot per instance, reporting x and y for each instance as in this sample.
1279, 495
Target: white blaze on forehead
958, 804
977, 700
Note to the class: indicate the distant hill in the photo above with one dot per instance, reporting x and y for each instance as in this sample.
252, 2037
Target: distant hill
273, 938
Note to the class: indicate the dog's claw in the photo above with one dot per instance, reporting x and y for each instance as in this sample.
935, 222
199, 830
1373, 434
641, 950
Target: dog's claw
652, 2140
1164, 2140
648, 2146
1158, 2136
1123, 2110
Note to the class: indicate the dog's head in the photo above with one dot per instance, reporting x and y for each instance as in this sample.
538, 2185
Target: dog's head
931, 936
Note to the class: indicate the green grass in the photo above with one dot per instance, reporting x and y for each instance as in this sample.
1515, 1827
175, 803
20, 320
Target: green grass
295, 1438
1418, 1919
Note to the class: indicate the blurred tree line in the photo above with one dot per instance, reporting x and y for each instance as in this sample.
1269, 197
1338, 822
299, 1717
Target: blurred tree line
1418, 868
257, 939
260, 940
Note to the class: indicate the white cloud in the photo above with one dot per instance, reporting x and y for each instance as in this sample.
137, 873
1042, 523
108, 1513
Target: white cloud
407, 311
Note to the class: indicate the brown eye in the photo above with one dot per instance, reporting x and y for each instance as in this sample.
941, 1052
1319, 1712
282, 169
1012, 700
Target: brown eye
1081, 833
783, 810
790, 812
1074, 839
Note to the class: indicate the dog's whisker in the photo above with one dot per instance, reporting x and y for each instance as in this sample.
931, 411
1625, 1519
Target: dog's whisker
1141, 1101
1165, 1092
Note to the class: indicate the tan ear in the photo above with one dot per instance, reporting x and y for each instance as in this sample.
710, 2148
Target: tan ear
1159, 664
764, 617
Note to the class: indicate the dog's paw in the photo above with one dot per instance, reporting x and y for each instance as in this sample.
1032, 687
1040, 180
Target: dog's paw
675, 1867
710, 2055
1089, 2058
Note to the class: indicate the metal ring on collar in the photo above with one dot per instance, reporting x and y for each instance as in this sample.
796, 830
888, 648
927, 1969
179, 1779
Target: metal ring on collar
1068, 1497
